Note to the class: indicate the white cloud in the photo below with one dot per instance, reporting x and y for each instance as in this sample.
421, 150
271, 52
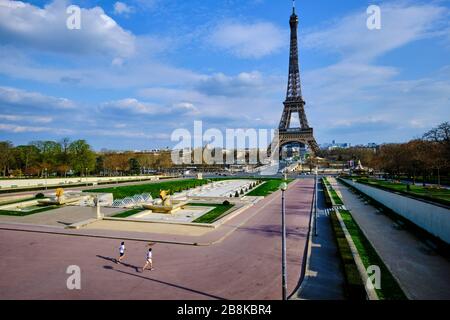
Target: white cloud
26, 25
20, 129
401, 24
364, 101
133, 106
133, 73
249, 40
13, 98
121, 8
26, 129
243, 84
26, 118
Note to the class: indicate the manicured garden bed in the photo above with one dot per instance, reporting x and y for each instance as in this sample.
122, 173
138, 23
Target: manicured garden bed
332, 194
215, 214
26, 213
267, 188
151, 188
16, 201
128, 213
353, 283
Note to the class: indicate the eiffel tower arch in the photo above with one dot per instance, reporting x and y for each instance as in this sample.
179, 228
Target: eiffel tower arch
294, 103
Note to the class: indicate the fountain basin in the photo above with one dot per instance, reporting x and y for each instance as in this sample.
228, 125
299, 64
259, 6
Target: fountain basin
168, 209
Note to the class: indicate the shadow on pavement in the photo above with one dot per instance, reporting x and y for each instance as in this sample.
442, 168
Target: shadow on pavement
172, 285
275, 231
114, 260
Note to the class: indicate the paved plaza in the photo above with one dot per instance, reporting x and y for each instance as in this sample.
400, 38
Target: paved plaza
239, 260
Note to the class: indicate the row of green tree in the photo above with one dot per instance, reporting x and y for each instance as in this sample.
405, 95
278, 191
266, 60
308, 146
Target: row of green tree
40, 158
75, 158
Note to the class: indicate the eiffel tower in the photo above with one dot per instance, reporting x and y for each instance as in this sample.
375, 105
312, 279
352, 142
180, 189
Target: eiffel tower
294, 103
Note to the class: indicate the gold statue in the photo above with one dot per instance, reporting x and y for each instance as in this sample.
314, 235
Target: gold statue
165, 197
59, 194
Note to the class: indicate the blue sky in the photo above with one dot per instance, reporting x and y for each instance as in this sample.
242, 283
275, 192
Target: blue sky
137, 70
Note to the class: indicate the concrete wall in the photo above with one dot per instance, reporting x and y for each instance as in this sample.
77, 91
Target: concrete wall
432, 218
23, 183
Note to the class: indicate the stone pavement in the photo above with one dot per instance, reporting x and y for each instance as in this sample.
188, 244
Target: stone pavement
326, 278
245, 264
421, 273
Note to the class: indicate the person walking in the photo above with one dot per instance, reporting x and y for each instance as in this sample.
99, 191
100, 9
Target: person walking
149, 260
121, 252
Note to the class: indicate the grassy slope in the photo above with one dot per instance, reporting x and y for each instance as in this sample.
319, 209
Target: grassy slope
354, 284
333, 194
420, 191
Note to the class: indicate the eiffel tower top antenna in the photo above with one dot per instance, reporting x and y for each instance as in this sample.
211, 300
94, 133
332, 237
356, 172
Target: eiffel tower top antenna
293, 6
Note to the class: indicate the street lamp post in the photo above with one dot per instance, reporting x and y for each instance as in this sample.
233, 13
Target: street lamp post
283, 188
46, 176
315, 200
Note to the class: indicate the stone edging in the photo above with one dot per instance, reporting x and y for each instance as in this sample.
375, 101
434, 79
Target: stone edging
371, 293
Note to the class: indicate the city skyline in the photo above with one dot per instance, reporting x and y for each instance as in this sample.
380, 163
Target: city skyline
137, 70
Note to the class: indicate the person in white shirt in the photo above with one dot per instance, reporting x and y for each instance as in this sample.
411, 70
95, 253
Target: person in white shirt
149, 260
121, 252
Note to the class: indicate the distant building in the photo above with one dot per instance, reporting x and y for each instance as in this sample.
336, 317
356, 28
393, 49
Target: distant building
335, 145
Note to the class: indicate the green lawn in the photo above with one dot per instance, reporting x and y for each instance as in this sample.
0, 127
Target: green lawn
432, 194
214, 214
354, 285
16, 201
151, 188
128, 213
333, 194
23, 213
390, 290
267, 188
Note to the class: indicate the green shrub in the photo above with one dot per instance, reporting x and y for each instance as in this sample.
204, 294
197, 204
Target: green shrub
39, 196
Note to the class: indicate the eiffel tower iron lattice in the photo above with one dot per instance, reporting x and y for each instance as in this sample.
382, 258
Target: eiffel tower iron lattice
294, 103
